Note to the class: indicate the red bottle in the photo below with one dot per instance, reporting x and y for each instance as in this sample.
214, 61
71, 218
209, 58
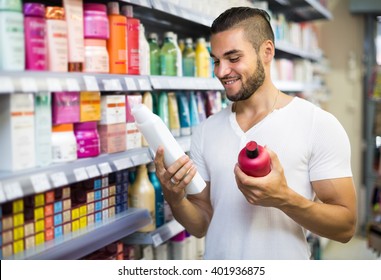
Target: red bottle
254, 160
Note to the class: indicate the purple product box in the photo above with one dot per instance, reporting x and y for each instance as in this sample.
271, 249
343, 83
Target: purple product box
65, 107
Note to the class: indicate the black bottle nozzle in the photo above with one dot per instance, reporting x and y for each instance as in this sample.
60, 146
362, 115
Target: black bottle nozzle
252, 149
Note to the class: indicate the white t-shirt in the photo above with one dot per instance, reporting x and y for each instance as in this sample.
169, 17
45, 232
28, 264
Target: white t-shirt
311, 145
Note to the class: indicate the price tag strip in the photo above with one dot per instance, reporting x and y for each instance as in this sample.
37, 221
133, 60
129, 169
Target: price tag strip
91, 83
80, 174
72, 84
40, 182
130, 84
123, 163
12, 190
6, 85
156, 239
105, 168
59, 179
28, 85
54, 84
92, 171
112, 85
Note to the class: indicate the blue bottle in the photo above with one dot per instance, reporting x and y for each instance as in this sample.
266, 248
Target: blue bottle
159, 198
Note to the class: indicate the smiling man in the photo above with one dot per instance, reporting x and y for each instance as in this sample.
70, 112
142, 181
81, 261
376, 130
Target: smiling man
310, 186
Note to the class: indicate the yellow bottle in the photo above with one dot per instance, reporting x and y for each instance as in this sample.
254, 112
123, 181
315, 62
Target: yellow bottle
148, 101
202, 59
142, 195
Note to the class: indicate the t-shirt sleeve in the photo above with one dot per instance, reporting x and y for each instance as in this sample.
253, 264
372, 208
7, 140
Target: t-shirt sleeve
331, 150
196, 151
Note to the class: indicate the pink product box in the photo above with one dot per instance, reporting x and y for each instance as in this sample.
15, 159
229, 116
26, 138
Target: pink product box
65, 107
113, 137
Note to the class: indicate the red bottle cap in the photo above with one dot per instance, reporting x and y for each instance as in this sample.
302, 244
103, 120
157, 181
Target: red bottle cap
252, 149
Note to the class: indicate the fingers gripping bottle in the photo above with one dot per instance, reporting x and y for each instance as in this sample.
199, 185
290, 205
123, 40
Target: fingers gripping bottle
157, 133
254, 160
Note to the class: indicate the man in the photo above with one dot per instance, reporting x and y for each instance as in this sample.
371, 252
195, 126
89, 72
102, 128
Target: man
310, 186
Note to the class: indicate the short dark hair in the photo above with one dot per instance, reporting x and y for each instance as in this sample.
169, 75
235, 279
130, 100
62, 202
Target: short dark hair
255, 22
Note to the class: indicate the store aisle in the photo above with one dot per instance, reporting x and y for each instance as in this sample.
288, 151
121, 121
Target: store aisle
356, 249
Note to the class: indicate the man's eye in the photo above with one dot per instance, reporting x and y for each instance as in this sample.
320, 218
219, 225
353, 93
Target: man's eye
216, 62
234, 59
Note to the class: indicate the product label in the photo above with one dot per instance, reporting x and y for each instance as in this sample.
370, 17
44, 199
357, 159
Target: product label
57, 45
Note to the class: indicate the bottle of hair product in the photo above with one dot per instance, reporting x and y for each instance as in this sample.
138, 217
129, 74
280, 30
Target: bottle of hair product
168, 56
179, 58
76, 45
35, 37
144, 59
193, 110
12, 46
184, 115
96, 25
189, 59
156, 134
148, 101
163, 111
57, 39
254, 160
174, 120
117, 43
159, 197
154, 54
88, 142
142, 195
202, 59
133, 44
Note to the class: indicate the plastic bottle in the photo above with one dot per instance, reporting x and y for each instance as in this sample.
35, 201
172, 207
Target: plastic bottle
96, 56
174, 119
142, 195
179, 59
168, 56
193, 112
35, 37
117, 43
202, 59
133, 44
163, 111
189, 59
159, 197
144, 59
154, 54
184, 115
254, 160
56, 39
12, 46
156, 134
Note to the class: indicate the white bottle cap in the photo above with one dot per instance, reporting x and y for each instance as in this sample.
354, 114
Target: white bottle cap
141, 113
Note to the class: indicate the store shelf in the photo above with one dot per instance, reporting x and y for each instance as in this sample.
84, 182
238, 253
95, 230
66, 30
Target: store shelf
78, 244
185, 83
285, 49
17, 184
156, 237
29, 81
300, 10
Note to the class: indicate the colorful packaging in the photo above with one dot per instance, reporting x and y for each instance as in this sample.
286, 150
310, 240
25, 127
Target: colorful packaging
88, 143
90, 106
113, 137
65, 107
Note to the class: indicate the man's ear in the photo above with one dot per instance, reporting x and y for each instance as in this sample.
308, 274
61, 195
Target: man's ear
268, 51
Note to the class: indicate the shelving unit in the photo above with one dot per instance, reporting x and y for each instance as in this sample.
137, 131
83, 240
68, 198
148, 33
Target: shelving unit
78, 244
157, 16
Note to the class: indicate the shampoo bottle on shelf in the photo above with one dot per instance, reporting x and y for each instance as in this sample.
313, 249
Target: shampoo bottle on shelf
144, 59
189, 59
133, 44
35, 37
154, 54
117, 42
56, 39
142, 195
12, 49
75, 32
159, 198
156, 134
168, 56
202, 59
254, 160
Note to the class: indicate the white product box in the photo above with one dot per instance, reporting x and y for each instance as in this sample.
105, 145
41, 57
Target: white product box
113, 109
17, 139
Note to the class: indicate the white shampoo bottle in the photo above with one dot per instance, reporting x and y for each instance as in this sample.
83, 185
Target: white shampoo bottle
156, 133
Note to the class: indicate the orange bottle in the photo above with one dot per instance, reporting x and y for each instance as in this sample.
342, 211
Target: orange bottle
117, 42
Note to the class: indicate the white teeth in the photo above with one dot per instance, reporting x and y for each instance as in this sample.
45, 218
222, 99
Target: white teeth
229, 82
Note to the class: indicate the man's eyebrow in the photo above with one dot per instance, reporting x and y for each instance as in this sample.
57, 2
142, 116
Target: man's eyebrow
234, 51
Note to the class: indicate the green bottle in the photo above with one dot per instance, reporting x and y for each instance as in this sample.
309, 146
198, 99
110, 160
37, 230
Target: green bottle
189, 58
168, 57
154, 50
